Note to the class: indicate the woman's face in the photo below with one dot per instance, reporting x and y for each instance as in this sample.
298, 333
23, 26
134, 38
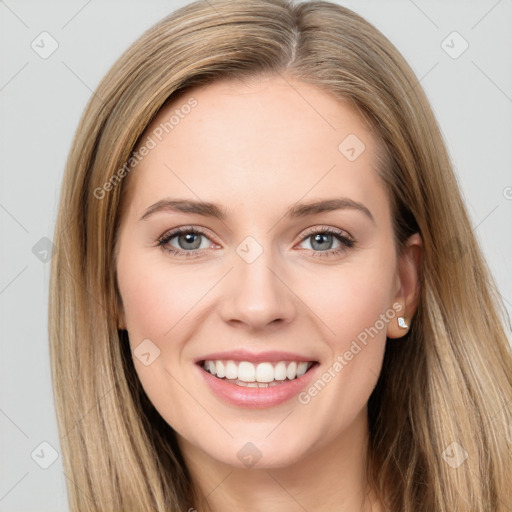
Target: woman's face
252, 290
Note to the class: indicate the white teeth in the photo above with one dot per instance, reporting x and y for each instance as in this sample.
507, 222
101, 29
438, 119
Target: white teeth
221, 371
264, 374
211, 367
280, 371
291, 372
301, 369
231, 370
246, 372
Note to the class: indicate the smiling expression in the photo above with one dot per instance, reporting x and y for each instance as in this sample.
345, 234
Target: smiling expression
285, 255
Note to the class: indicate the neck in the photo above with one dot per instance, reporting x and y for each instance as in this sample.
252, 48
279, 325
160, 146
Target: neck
334, 471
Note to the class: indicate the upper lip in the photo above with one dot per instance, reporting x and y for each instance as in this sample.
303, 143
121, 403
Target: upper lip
253, 357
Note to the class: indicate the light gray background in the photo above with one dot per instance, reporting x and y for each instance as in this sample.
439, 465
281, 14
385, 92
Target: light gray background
41, 101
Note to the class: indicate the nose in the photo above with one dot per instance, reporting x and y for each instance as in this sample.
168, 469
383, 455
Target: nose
256, 295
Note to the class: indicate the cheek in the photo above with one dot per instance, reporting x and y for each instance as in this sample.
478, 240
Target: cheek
355, 314
161, 305
350, 298
158, 306
355, 308
154, 300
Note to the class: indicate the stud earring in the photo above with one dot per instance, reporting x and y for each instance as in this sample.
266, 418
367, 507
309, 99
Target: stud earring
401, 323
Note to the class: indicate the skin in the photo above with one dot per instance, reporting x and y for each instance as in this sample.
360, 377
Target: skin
256, 148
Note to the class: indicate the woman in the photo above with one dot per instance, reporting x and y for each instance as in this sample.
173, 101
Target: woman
207, 352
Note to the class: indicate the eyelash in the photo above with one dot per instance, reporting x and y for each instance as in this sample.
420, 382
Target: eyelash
346, 241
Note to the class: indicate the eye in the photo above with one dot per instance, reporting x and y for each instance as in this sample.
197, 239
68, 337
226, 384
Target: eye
191, 241
322, 240
188, 241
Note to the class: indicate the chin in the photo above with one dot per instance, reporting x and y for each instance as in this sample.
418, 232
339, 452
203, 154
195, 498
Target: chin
256, 452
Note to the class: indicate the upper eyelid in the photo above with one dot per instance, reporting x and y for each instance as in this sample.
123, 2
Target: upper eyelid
185, 229
324, 228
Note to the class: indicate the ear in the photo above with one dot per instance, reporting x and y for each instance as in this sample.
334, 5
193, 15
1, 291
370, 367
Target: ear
408, 282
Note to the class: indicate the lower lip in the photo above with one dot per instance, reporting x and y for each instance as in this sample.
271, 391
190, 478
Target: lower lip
257, 398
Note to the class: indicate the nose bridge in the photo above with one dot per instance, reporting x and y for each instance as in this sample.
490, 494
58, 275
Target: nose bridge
256, 294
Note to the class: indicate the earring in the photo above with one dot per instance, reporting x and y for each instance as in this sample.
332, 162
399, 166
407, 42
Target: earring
401, 323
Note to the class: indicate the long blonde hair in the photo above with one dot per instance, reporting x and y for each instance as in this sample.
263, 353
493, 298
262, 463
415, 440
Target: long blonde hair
449, 381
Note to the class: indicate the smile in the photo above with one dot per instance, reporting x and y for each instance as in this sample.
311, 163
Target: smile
262, 375
256, 380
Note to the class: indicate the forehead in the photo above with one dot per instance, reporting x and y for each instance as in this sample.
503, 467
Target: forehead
261, 139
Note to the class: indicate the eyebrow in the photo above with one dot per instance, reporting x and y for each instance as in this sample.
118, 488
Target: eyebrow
213, 210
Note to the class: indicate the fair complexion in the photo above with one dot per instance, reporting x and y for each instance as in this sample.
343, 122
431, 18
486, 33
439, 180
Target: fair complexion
256, 149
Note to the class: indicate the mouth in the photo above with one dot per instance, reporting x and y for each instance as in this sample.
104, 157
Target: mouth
262, 374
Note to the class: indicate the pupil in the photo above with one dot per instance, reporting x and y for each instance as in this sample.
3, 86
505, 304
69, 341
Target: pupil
190, 238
